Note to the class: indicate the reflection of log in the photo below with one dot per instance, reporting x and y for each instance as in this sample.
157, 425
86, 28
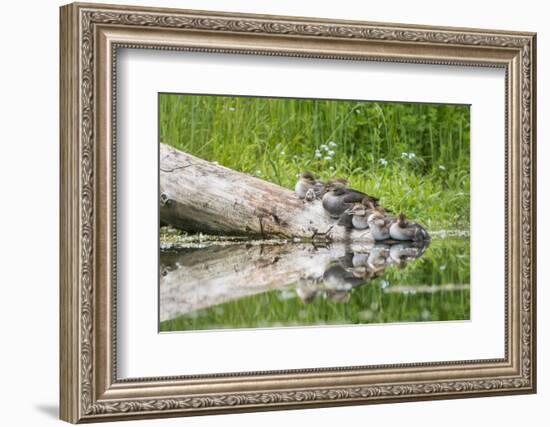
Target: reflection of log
198, 195
206, 277
202, 278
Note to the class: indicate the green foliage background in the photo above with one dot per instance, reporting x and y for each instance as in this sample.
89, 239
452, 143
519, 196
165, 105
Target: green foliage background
415, 157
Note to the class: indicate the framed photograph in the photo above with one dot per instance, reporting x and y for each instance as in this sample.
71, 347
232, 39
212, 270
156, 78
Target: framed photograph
265, 212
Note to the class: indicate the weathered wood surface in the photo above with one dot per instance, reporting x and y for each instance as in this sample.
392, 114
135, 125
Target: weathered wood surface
197, 195
202, 278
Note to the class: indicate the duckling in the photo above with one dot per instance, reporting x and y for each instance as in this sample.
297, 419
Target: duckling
310, 195
380, 224
360, 212
319, 189
403, 229
305, 182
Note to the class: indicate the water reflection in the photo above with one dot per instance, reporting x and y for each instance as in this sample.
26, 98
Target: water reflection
194, 280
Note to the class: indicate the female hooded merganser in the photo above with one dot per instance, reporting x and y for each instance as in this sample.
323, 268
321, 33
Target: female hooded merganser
339, 198
305, 182
403, 229
344, 182
379, 224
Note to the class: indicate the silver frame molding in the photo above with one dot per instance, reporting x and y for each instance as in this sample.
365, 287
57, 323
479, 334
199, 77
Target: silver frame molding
90, 37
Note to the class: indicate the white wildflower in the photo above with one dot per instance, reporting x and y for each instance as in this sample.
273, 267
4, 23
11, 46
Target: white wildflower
324, 147
441, 167
331, 153
282, 152
318, 153
331, 168
231, 108
332, 144
328, 158
383, 162
404, 155
412, 155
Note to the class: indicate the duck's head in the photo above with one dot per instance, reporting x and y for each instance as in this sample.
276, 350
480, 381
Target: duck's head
337, 182
338, 187
368, 203
357, 209
376, 215
307, 176
401, 219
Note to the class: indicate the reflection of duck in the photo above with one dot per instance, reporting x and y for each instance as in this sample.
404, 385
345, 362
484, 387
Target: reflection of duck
403, 229
401, 253
379, 224
308, 289
379, 257
306, 295
338, 296
339, 278
356, 268
360, 259
338, 282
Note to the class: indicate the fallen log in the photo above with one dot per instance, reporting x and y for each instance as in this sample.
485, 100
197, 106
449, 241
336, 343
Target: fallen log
198, 195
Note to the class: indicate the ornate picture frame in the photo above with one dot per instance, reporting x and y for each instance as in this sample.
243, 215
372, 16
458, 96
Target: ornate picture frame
90, 37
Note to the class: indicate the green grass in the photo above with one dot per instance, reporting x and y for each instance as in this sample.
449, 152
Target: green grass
445, 262
415, 157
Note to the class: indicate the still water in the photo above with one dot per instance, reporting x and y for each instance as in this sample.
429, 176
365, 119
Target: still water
271, 284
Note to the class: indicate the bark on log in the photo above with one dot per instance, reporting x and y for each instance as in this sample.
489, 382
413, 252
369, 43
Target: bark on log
197, 195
